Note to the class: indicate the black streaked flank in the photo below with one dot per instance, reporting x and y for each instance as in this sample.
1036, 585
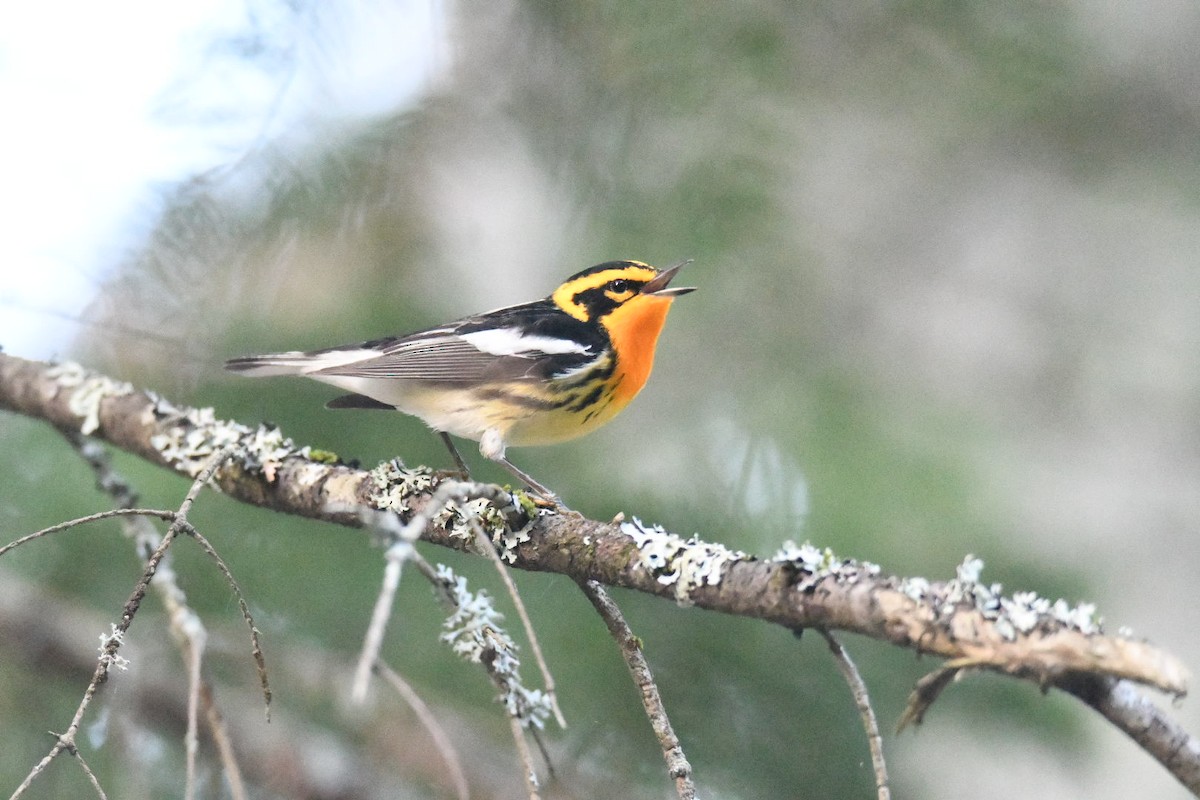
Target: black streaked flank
517, 399
588, 399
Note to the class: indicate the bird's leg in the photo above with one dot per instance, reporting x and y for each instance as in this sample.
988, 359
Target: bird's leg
491, 446
458, 460
529, 481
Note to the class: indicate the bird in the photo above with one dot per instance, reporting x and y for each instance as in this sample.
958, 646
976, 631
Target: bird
537, 373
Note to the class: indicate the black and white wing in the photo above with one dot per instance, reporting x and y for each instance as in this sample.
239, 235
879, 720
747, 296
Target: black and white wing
530, 342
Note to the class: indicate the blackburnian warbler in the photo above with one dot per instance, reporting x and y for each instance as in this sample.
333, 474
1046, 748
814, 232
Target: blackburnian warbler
530, 374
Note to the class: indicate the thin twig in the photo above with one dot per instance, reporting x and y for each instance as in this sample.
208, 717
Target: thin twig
107, 479
256, 649
112, 642
184, 622
108, 657
224, 745
191, 637
495, 651
165, 515
87, 770
460, 492
858, 688
678, 767
400, 549
925, 691
400, 536
530, 773
193, 648
448, 493
474, 635
396, 555
551, 773
485, 543
427, 718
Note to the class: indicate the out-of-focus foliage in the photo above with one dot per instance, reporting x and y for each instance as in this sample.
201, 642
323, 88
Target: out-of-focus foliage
947, 266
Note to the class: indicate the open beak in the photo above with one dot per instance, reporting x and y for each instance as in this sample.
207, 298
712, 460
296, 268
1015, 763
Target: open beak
658, 286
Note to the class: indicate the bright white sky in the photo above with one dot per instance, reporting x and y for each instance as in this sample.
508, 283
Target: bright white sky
105, 103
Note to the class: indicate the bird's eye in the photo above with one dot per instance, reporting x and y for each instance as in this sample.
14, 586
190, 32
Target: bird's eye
619, 286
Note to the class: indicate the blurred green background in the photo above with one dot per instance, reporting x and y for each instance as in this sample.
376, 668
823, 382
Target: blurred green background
947, 266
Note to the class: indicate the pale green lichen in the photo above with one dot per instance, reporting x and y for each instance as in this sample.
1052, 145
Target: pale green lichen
109, 642
687, 564
395, 483
89, 390
188, 439
323, 456
526, 503
455, 518
1017, 615
185, 438
474, 633
1021, 614
815, 563
807, 556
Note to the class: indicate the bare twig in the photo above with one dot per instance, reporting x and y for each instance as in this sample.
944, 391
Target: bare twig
224, 745
678, 767
108, 658
256, 650
111, 643
400, 538
858, 688
145, 537
188, 629
532, 785
87, 770
168, 516
926, 691
427, 718
193, 639
368, 657
551, 773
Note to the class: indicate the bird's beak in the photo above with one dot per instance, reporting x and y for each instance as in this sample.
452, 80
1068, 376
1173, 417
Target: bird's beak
657, 286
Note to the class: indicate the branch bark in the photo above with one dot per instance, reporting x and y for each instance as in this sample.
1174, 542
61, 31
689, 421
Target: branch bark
959, 619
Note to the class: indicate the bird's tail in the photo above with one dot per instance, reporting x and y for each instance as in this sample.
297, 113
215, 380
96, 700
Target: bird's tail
293, 363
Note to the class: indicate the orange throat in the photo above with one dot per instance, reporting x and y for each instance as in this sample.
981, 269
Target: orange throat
633, 329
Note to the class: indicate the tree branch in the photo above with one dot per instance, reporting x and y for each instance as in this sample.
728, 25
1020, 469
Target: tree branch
961, 619
678, 767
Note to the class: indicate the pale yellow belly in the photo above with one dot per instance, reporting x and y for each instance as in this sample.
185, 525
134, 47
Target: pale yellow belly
518, 413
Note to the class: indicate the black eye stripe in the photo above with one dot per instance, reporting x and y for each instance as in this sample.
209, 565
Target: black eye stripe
597, 301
